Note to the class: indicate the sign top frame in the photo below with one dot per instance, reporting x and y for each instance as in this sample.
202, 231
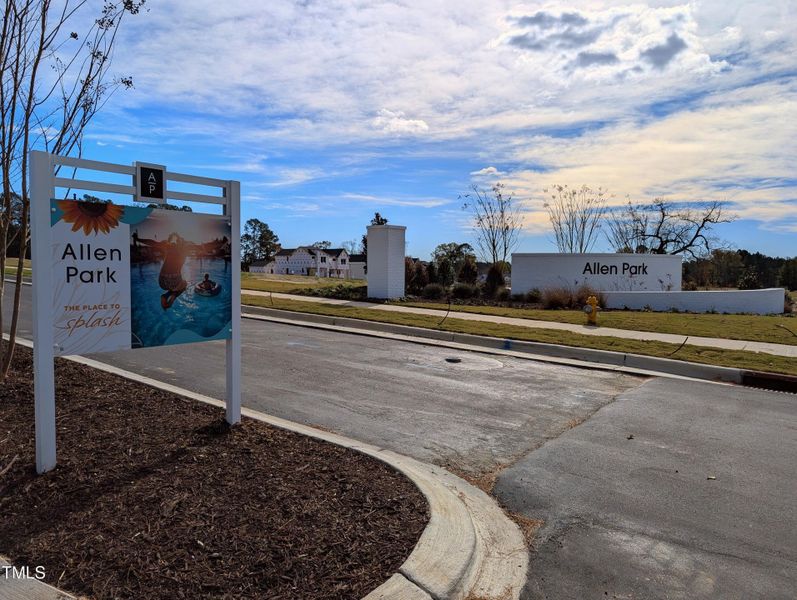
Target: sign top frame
55, 162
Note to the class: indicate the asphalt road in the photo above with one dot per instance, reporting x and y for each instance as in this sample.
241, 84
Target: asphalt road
640, 518
624, 518
472, 416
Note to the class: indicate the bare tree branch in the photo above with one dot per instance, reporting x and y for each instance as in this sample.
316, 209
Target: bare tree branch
576, 216
664, 227
496, 222
44, 112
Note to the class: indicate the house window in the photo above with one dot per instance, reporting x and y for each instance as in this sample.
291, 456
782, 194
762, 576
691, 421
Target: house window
323, 259
343, 261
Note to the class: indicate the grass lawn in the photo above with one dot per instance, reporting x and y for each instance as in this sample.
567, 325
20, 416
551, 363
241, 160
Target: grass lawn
734, 327
699, 354
11, 267
293, 284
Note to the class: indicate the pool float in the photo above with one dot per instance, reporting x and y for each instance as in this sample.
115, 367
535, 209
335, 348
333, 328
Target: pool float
198, 289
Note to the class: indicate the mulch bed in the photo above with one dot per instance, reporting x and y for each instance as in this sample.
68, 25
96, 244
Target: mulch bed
155, 497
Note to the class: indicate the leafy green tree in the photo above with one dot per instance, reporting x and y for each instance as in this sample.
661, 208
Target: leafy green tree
445, 272
258, 242
727, 267
431, 272
788, 274
454, 252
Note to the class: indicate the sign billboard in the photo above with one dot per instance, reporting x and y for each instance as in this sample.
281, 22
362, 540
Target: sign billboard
110, 277
601, 271
135, 277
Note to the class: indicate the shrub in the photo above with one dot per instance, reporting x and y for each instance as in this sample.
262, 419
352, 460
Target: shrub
494, 281
556, 298
582, 294
502, 294
342, 291
464, 291
564, 297
534, 296
689, 285
468, 272
518, 297
433, 291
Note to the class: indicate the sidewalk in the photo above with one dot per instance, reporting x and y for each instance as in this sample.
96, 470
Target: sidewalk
765, 347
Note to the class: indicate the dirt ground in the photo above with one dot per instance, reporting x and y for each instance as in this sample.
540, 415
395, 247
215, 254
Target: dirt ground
155, 497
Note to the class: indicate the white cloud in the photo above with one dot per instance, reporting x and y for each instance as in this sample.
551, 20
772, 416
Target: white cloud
295, 176
397, 122
677, 91
392, 201
487, 172
740, 148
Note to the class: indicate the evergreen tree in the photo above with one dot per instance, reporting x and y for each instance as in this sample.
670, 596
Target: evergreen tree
468, 272
495, 280
788, 274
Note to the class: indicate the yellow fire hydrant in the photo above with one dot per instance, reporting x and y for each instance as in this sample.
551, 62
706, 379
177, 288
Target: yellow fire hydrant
591, 308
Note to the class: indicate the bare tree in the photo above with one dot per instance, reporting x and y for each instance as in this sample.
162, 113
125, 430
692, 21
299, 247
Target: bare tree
496, 222
351, 246
666, 227
53, 81
576, 216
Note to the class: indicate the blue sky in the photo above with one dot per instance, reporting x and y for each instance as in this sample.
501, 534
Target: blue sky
329, 111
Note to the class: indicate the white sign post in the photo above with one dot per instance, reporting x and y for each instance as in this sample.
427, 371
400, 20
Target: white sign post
104, 275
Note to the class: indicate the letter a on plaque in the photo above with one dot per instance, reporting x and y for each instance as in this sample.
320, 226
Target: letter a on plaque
150, 183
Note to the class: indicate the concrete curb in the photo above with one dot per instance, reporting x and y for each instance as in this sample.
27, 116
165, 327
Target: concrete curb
570, 355
470, 548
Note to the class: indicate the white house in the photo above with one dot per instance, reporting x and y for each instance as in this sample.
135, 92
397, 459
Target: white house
358, 266
306, 260
262, 266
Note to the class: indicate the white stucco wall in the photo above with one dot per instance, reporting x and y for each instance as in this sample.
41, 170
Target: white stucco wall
608, 272
761, 302
386, 261
357, 270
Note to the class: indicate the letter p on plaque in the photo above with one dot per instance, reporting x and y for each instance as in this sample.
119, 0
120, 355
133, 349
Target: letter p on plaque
150, 183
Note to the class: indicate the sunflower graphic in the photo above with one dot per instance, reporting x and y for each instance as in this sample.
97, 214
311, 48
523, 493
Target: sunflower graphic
91, 216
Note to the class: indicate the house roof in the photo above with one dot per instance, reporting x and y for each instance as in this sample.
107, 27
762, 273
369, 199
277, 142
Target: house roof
260, 263
312, 250
357, 258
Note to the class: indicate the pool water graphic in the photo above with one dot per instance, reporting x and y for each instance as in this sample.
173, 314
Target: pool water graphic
203, 316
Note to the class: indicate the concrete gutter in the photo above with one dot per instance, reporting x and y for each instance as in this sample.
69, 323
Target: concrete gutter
635, 364
469, 549
569, 355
